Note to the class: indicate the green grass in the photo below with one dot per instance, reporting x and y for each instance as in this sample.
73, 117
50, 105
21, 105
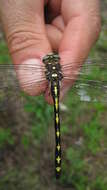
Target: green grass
6, 137
4, 55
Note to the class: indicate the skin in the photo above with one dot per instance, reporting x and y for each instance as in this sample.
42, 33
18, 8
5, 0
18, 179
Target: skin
72, 27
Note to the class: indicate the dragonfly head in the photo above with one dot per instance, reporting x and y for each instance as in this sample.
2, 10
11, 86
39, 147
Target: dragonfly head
51, 57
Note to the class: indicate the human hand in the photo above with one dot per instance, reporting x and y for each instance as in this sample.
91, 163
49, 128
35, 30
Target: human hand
72, 28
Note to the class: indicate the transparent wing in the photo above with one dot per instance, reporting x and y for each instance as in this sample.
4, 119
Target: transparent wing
91, 84
9, 90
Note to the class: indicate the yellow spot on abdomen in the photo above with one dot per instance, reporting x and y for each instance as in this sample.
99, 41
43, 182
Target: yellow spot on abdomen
57, 133
58, 169
55, 90
58, 147
58, 159
57, 119
56, 103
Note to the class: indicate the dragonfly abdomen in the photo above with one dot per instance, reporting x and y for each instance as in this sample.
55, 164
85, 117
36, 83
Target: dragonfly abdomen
55, 94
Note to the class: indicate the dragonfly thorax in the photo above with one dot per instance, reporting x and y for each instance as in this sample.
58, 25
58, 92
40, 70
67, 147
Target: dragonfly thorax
53, 68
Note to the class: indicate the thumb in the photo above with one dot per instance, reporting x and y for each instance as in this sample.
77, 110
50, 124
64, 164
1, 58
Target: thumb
23, 23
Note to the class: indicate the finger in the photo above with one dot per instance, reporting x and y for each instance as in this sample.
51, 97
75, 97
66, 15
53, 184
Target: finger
23, 23
52, 9
78, 38
82, 30
59, 23
55, 31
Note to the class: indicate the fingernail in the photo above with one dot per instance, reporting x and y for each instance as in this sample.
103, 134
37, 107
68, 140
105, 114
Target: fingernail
31, 74
30, 70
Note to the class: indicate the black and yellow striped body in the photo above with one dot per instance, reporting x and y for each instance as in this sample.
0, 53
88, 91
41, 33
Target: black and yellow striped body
54, 76
55, 94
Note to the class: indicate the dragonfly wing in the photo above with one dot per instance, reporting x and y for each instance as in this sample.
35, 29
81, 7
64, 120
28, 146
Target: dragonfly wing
90, 92
9, 90
8, 77
91, 84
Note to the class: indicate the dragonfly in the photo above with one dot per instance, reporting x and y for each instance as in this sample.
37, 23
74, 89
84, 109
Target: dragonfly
92, 77
54, 76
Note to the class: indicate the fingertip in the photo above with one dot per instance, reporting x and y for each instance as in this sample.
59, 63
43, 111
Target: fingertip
31, 77
54, 36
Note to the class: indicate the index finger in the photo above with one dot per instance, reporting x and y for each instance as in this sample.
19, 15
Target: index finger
82, 29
